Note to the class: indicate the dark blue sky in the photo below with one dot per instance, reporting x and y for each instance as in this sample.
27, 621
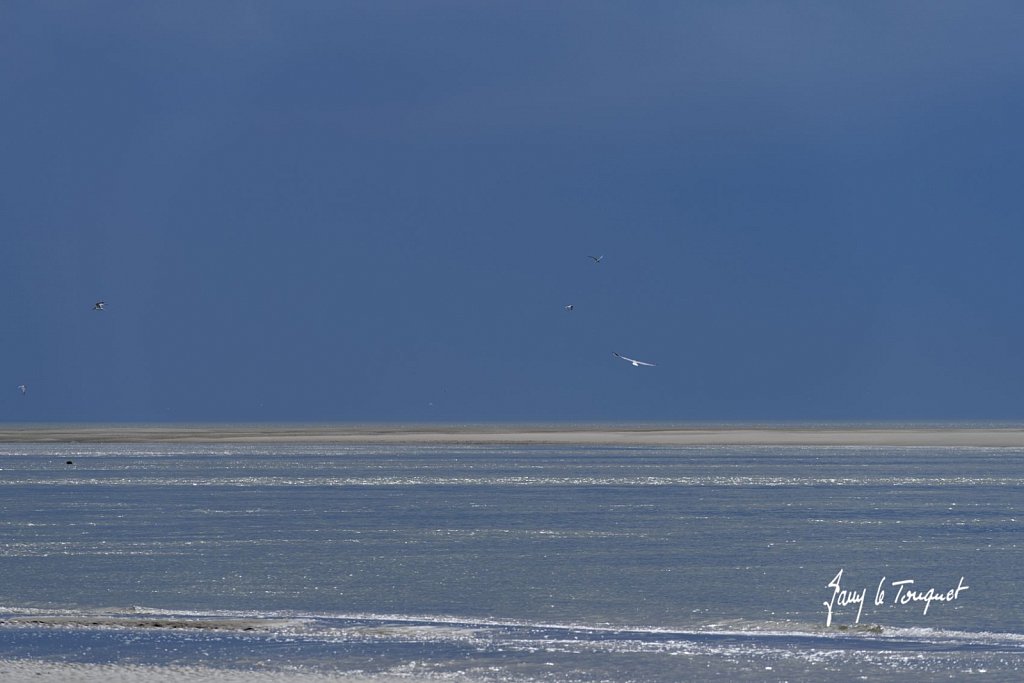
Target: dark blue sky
376, 211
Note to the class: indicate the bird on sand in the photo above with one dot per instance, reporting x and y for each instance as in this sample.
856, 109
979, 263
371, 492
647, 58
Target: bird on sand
99, 305
636, 363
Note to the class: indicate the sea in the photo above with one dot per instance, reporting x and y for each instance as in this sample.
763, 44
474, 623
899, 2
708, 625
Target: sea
517, 562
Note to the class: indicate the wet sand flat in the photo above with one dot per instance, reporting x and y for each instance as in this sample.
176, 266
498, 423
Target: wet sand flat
55, 672
521, 434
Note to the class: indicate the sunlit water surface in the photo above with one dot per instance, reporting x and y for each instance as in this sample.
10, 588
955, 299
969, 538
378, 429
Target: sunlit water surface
530, 563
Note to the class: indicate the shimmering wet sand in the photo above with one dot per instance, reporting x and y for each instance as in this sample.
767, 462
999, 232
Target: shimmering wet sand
524, 434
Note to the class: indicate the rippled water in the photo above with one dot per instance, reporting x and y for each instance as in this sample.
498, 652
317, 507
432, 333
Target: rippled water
525, 563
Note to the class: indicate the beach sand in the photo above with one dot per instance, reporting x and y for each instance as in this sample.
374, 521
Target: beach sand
18, 671
631, 435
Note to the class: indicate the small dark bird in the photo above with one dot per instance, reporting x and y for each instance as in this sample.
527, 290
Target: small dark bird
597, 259
99, 305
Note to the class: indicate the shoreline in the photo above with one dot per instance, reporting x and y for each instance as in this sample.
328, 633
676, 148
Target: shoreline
612, 435
46, 671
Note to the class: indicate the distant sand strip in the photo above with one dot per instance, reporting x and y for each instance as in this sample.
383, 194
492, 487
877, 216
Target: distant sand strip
151, 622
501, 434
38, 671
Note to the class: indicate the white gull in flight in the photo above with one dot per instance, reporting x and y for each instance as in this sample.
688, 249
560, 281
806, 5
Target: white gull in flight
636, 363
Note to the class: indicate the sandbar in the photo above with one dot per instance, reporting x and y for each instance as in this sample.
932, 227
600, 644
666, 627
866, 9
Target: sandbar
612, 435
39, 671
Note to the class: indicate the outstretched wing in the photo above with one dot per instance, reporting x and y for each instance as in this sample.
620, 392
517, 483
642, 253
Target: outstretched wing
633, 360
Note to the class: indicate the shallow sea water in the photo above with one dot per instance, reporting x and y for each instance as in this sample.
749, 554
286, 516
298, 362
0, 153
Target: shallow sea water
527, 563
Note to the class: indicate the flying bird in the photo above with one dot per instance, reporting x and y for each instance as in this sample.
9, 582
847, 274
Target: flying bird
569, 307
99, 305
597, 259
23, 389
636, 363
